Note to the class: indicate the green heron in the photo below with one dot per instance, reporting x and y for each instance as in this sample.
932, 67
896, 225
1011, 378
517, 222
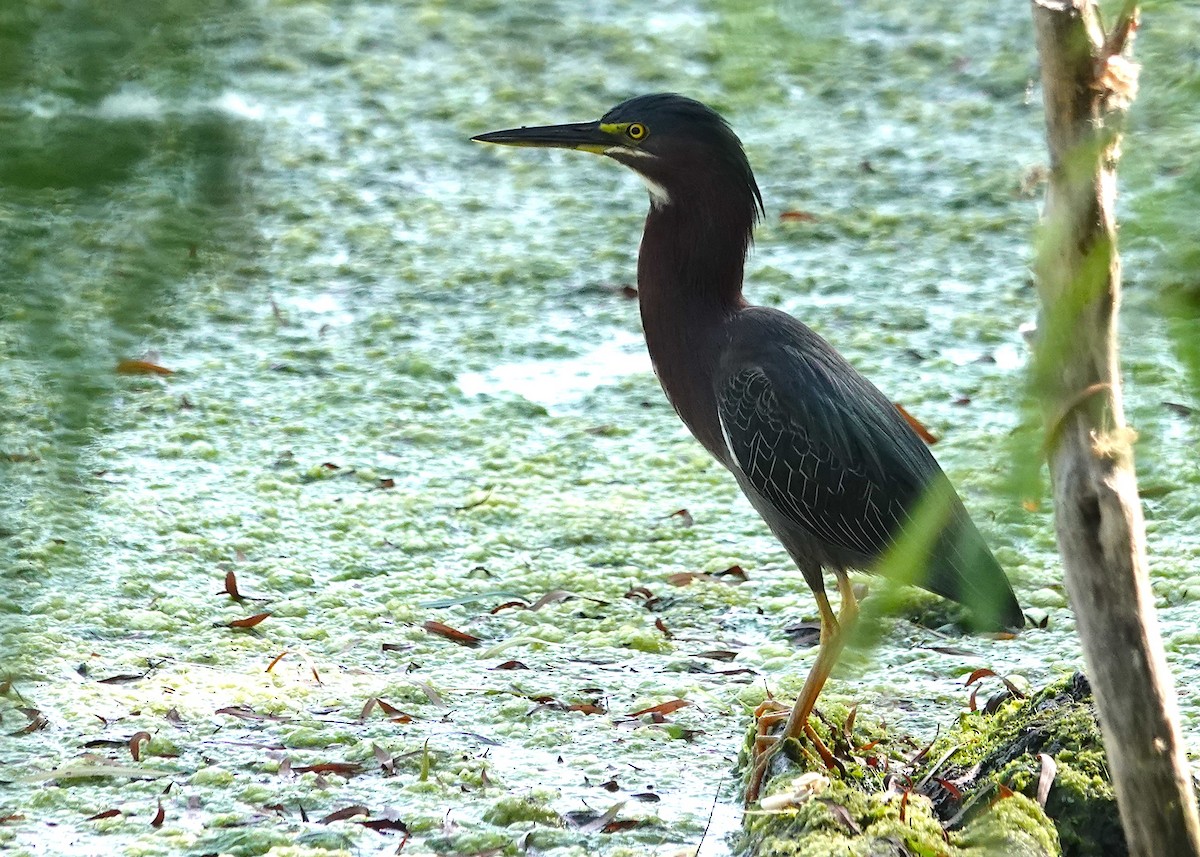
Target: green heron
832, 466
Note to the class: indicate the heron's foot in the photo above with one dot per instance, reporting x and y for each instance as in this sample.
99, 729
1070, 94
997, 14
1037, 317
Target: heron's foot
767, 744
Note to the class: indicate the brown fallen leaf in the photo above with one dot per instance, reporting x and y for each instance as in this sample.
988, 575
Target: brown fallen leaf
587, 708
588, 821
159, 817
554, 596
249, 621
344, 813
108, 813
452, 634
37, 721
510, 665
231, 587
135, 744
663, 708
684, 516
735, 572
1046, 778
141, 367
717, 655
383, 825
123, 678
797, 217
916, 425
391, 711
342, 769
245, 712
385, 759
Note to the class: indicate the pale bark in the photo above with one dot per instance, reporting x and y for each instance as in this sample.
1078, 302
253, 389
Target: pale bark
1087, 84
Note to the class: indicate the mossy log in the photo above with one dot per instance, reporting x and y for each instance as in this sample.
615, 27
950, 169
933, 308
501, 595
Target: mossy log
1029, 779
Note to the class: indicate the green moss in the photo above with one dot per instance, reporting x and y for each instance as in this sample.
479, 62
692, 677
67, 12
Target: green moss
1058, 721
532, 808
979, 755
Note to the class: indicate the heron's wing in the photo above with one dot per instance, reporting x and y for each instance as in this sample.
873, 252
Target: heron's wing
818, 453
831, 453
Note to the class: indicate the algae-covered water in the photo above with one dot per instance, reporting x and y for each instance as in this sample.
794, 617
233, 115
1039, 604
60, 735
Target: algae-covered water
407, 386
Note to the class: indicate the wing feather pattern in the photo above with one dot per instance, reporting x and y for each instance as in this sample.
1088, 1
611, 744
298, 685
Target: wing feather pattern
830, 453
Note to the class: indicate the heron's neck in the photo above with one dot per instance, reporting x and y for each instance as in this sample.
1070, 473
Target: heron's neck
689, 284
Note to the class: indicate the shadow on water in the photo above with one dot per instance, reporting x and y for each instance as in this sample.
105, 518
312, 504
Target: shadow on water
120, 180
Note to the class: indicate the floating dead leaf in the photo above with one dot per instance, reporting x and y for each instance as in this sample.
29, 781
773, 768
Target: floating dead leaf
453, 634
37, 722
662, 626
685, 578
510, 665
555, 596
842, 815
342, 769
123, 678
848, 724
279, 657
385, 825
509, 605
684, 516
136, 740
105, 742
108, 813
588, 821
1046, 778
611, 786
662, 709
950, 650
955, 791
803, 635
649, 599
385, 482
245, 712
1178, 409
393, 713
979, 675
159, 817
916, 425
385, 759
249, 621
231, 587
344, 813
141, 367
735, 573
587, 708
646, 797
717, 655
434, 696
797, 216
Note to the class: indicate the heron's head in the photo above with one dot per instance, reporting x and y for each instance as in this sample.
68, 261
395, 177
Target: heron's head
684, 151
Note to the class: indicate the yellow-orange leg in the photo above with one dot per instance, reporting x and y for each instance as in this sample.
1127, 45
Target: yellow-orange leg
834, 630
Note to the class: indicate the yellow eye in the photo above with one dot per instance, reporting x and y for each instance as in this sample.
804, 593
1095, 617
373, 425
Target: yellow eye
636, 132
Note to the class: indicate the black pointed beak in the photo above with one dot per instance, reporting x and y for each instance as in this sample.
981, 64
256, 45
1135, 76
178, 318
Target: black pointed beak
584, 136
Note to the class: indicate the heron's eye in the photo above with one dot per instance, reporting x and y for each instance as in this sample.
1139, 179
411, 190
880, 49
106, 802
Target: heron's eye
637, 132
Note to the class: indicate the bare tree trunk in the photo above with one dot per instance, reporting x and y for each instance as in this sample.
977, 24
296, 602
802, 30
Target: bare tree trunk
1087, 85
